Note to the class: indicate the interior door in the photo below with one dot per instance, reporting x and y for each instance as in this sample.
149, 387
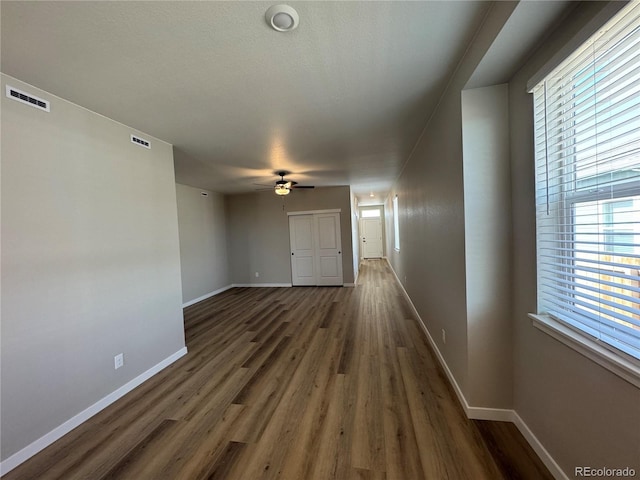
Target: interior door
301, 236
328, 249
372, 237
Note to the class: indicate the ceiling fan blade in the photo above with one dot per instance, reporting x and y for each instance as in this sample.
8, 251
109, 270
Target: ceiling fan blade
263, 185
303, 186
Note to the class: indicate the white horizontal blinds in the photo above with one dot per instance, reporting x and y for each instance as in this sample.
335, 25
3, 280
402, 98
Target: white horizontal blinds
587, 146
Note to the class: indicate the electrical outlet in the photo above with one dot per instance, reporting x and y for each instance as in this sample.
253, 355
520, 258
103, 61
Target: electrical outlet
257, 274
444, 336
118, 360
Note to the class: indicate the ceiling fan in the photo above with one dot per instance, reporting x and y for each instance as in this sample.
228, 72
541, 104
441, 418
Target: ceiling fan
284, 187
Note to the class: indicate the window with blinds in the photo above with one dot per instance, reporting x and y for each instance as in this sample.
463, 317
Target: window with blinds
396, 224
587, 148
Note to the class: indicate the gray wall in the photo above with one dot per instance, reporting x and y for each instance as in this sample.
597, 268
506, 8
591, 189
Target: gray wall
203, 242
431, 212
90, 262
258, 232
431, 260
487, 224
581, 413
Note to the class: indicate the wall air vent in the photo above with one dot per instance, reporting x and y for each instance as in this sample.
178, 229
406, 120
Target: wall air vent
140, 141
27, 98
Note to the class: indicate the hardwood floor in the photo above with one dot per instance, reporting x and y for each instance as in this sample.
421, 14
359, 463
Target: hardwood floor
293, 383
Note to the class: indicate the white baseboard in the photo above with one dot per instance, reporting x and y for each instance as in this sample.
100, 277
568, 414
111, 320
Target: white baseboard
542, 452
493, 414
482, 413
206, 295
452, 379
233, 285
30, 450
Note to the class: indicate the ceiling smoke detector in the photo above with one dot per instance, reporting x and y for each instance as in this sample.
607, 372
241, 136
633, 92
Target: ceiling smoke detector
282, 18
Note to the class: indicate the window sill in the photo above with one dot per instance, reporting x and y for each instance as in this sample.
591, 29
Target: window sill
590, 348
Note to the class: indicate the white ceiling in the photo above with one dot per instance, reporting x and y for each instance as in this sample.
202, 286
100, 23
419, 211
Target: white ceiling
339, 101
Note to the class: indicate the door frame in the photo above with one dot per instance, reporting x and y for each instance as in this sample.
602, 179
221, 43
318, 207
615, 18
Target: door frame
383, 224
311, 212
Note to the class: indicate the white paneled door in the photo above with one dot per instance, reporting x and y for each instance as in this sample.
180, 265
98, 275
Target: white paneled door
301, 235
316, 250
372, 237
329, 249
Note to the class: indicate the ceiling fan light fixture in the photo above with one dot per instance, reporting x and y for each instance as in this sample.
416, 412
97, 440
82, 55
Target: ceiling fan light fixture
282, 18
282, 190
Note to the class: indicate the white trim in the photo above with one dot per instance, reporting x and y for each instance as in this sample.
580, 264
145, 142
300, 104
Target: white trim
311, 212
30, 450
537, 446
482, 413
591, 349
205, 296
258, 285
486, 413
474, 413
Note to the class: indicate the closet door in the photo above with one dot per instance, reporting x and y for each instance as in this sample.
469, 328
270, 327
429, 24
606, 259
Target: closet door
316, 249
328, 249
301, 237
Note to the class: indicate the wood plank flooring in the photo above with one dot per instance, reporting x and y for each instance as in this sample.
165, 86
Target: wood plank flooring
293, 383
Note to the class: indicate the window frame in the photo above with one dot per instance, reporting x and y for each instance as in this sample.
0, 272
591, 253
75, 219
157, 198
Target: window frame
396, 224
370, 213
592, 335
